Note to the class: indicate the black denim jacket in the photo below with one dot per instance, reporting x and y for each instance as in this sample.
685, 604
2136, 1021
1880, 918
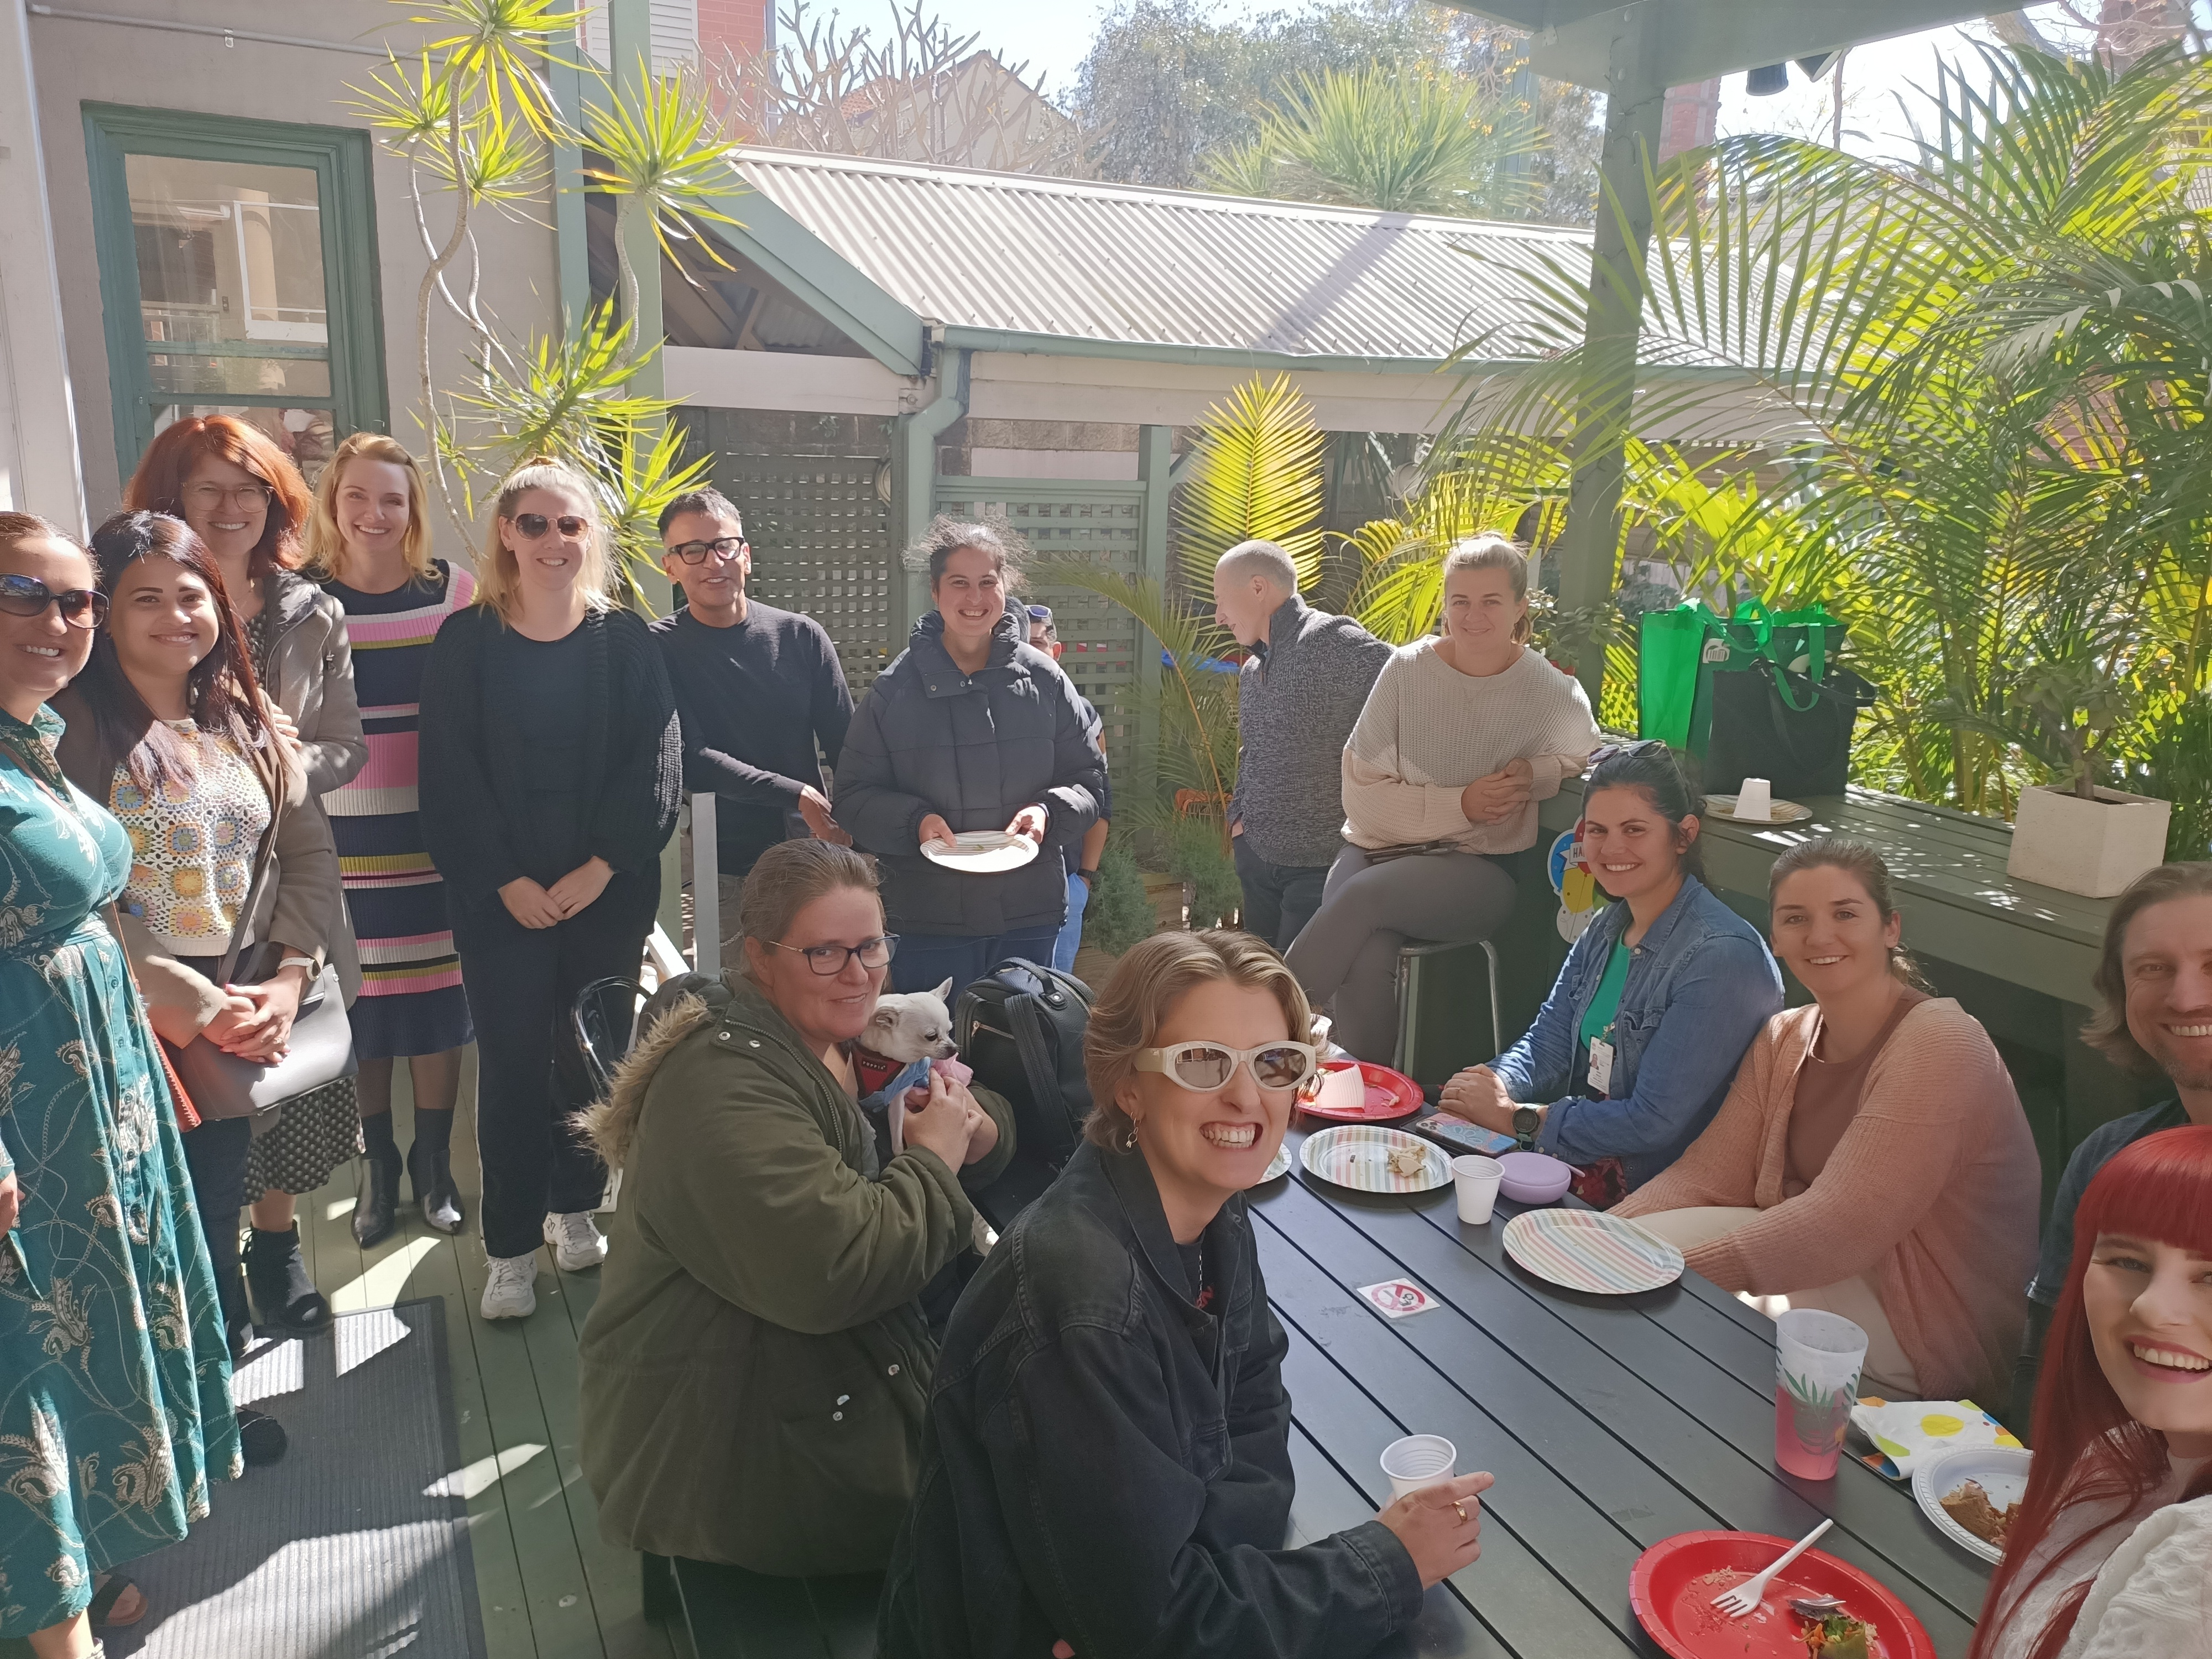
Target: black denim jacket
1106, 1463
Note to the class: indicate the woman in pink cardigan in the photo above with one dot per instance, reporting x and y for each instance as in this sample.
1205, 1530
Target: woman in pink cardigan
1871, 1158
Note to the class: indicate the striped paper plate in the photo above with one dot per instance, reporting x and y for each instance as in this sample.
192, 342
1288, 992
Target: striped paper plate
1358, 1156
1277, 1165
1584, 1250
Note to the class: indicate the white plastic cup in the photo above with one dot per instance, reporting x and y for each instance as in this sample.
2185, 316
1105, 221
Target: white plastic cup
1818, 1355
1475, 1179
1418, 1460
1754, 801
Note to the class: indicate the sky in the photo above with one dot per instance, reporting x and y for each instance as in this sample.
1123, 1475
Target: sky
1053, 35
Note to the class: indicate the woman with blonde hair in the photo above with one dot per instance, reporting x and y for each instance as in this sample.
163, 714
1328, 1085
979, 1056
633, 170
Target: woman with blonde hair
368, 544
753, 1374
246, 501
1106, 1462
549, 772
1461, 735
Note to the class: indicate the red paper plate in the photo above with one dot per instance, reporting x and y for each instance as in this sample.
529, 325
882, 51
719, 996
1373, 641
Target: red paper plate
1387, 1094
1673, 1584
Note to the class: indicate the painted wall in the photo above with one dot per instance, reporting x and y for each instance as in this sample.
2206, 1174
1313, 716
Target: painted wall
78, 62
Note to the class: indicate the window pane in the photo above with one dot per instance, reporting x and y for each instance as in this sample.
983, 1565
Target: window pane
227, 251
191, 374
307, 435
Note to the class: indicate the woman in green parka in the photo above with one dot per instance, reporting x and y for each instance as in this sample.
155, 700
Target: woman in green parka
754, 1370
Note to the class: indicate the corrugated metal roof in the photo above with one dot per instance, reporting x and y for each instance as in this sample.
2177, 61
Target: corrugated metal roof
1118, 263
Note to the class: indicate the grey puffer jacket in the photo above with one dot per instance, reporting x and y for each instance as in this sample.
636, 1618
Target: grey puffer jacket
976, 750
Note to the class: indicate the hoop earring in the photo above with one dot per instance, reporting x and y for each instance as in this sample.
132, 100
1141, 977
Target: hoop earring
1129, 1139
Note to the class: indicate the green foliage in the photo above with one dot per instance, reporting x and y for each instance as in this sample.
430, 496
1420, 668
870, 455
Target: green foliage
1119, 912
1257, 476
1404, 140
1172, 89
1980, 381
1198, 853
475, 120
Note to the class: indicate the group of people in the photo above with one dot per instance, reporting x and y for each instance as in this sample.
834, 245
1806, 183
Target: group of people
256, 739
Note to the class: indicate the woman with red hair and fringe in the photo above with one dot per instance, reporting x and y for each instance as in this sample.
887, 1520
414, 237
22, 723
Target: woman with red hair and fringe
241, 495
2112, 1552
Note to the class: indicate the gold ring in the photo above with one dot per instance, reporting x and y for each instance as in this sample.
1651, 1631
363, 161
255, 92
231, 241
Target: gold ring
1461, 1507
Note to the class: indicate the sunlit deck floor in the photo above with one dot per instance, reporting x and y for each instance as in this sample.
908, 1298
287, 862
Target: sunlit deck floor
549, 1586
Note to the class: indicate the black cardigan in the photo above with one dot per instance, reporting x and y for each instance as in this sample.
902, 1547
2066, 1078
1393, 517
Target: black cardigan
473, 802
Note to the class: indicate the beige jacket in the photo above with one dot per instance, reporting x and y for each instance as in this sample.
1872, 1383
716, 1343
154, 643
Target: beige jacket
297, 901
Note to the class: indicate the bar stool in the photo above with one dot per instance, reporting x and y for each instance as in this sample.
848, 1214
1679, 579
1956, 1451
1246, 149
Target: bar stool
1418, 957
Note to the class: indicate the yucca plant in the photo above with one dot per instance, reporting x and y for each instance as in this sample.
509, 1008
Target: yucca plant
474, 118
1982, 373
1404, 138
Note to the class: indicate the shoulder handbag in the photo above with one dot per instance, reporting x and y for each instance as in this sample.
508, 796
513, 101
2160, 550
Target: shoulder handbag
321, 1050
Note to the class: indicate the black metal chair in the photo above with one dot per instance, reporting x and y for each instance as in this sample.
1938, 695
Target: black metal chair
606, 1021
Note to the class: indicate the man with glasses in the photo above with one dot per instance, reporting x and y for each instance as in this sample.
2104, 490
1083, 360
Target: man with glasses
760, 695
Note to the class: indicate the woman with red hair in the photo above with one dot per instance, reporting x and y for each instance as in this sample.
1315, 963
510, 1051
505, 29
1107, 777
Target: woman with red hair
2112, 1552
248, 503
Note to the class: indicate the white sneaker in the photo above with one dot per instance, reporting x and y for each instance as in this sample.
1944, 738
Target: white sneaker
577, 1244
510, 1292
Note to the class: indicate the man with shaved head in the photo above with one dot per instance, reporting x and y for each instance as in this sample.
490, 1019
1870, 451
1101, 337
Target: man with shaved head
1304, 682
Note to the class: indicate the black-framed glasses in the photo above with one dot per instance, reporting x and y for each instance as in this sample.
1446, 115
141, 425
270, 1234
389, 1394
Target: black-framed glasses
27, 596
533, 525
828, 960
722, 547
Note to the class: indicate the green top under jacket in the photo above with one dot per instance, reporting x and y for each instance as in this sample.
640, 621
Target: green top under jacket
754, 1374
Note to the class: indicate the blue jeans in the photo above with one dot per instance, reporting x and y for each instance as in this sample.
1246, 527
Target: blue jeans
1071, 932
926, 959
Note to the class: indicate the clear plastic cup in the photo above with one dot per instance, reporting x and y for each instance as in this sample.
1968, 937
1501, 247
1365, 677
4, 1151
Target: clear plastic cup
1475, 1179
1418, 1460
1817, 1359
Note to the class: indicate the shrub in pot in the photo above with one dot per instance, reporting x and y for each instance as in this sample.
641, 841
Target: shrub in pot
2075, 834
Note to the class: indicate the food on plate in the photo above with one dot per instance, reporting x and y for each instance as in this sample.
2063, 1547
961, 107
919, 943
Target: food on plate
1969, 1505
1407, 1162
1840, 1636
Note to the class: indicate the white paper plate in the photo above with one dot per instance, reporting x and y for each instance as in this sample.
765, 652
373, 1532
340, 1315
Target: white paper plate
2002, 1472
983, 852
1585, 1250
1785, 811
1277, 1166
1358, 1156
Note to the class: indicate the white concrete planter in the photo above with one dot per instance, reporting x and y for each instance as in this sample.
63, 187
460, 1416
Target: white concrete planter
2094, 847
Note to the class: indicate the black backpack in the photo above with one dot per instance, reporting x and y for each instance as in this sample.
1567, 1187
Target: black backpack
1020, 1029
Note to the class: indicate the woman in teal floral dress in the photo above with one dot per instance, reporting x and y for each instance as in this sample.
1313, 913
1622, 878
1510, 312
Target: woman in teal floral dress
115, 1407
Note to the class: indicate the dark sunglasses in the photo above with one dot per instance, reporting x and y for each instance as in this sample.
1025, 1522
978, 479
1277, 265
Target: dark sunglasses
535, 525
1607, 750
27, 596
723, 547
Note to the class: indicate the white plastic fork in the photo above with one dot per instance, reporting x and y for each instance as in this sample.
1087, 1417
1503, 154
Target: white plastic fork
1744, 1598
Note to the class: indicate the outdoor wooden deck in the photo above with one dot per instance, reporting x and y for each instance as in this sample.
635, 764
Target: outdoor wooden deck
550, 1587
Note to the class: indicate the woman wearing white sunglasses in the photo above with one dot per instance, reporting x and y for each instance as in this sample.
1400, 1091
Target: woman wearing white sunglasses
1106, 1461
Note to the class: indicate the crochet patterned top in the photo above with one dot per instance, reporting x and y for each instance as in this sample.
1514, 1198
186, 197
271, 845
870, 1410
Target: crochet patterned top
192, 844
1428, 731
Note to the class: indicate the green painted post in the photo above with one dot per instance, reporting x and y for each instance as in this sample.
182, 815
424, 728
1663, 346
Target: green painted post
1154, 465
1589, 551
914, 482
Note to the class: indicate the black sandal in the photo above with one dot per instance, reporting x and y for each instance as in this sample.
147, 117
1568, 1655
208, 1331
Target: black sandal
102, 1611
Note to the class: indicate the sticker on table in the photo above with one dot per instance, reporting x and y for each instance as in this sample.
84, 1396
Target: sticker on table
1398, 1298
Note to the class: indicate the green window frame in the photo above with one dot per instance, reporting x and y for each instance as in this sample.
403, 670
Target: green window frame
340, 159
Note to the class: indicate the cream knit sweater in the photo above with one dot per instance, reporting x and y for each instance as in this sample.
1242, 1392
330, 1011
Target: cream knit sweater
1429, 731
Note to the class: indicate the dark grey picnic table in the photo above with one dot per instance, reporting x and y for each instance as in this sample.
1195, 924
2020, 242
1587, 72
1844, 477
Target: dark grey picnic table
1610, 1422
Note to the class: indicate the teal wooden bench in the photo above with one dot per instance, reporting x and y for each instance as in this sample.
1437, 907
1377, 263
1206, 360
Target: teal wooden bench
2018, 956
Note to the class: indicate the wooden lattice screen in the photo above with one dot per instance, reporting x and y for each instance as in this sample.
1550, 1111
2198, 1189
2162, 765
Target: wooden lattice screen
821, 540
1100, 523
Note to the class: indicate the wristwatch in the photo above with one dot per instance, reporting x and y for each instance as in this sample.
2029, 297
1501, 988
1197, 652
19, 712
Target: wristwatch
1526, 1120
1090, 877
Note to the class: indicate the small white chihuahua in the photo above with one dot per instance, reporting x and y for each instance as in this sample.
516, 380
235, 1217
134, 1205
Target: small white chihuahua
915, 1025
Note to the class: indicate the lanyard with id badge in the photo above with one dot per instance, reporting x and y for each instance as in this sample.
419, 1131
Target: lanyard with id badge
1600, 1064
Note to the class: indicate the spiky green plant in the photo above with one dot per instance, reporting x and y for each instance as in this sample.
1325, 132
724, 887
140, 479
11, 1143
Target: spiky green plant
474, 119
1256, 476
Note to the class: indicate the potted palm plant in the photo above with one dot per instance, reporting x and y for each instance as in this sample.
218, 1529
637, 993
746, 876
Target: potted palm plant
2075, 833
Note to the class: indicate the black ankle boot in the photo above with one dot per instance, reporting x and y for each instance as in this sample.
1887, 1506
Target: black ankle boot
430, 1174
378, 1196
284, 1294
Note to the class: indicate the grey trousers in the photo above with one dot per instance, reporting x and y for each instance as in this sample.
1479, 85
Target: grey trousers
1347, 956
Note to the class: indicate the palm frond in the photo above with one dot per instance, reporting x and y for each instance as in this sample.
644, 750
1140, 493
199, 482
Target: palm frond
1256, 476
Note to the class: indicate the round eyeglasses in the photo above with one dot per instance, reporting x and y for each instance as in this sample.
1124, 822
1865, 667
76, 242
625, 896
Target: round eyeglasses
1203, 1067
27, 596
829, 960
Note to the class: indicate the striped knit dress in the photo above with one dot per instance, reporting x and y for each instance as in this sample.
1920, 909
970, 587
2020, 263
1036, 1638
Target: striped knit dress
410, 1000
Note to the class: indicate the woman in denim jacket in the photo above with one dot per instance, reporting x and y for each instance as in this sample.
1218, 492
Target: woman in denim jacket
1633, 1051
